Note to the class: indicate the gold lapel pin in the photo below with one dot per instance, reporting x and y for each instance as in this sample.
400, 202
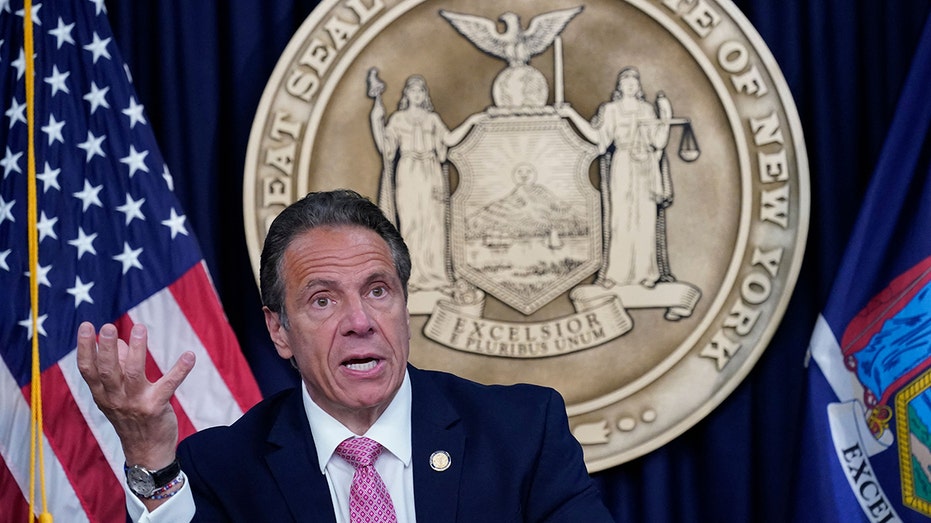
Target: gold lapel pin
440, 460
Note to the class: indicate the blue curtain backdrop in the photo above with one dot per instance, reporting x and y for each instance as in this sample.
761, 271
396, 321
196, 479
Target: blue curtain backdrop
200, 68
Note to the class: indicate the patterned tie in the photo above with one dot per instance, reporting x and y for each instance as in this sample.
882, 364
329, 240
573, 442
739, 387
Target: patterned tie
369, 501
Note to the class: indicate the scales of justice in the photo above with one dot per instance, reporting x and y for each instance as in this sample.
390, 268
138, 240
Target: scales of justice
526, 223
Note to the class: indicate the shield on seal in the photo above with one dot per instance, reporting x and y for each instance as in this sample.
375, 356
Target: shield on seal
525, 219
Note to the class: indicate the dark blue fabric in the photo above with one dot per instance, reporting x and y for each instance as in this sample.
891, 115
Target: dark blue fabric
845, 62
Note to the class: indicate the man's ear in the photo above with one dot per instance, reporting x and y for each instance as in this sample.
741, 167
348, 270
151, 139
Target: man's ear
277, 332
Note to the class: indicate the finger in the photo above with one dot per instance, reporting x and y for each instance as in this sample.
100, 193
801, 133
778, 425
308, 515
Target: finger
108, 363
122, 350
166, 386
134, 358
87, 353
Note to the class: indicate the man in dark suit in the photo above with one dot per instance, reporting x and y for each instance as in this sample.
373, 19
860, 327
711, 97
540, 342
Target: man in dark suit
334, 277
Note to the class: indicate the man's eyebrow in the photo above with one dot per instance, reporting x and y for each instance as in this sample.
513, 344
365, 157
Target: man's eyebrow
385, 276
314, 283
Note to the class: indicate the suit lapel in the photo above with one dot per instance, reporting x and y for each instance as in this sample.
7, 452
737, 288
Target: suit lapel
293, 463
434, 428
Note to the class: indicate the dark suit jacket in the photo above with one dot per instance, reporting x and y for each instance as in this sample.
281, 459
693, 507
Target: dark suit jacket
513, 459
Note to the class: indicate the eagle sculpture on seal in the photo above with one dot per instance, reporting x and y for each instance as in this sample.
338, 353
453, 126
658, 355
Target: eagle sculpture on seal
515, 45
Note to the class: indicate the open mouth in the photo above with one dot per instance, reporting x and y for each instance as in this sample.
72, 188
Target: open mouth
363, 364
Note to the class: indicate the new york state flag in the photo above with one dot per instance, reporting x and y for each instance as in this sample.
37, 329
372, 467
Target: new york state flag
867, 448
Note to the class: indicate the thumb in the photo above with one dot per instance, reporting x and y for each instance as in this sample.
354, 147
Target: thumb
169, 383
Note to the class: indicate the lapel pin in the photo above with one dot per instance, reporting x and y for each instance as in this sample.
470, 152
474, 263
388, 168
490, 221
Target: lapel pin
440, 460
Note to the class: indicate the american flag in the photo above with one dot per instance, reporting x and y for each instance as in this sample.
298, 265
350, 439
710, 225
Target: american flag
114, 246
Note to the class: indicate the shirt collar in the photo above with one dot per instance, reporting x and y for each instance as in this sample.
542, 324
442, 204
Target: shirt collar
392, 429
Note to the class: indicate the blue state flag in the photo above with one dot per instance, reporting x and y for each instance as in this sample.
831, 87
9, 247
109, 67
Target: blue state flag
867, 454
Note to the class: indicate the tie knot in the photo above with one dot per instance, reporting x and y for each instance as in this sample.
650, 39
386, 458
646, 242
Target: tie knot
359, 452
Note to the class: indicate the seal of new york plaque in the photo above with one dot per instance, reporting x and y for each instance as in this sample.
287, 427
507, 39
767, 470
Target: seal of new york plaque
606, 197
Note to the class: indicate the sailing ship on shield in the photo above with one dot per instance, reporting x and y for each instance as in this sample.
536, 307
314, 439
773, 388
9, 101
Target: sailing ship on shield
525, 223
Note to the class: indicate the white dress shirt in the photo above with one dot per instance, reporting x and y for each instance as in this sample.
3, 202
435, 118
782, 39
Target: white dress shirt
392, 430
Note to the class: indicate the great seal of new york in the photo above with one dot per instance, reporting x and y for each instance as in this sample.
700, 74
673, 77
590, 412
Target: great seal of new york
607, 197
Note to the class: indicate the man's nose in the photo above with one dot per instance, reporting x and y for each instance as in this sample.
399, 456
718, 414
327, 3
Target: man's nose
357, 317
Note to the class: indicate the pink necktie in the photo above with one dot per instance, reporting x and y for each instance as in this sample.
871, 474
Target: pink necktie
369, 501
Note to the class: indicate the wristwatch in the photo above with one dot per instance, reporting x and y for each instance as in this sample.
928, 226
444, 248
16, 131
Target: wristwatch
144, 482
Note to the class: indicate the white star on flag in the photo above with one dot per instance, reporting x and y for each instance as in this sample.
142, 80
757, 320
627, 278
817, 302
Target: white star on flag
27, 323
89, 195
134, 112
98, 47
81, 292
43, 275
10, 162
93, 146
57, 81
84, 243
49, 178
46, 227
97, 97
135, 160
6, 210
53, 130
132, 209
16, 113
129, 258
175, 223
62, 33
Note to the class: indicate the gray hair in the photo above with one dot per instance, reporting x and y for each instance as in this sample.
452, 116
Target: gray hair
319, 209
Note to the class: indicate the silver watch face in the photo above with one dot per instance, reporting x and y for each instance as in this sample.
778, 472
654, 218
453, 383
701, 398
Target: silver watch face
140, 481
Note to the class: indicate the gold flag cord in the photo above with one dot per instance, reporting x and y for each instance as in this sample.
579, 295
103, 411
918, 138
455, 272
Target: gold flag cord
36, 454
